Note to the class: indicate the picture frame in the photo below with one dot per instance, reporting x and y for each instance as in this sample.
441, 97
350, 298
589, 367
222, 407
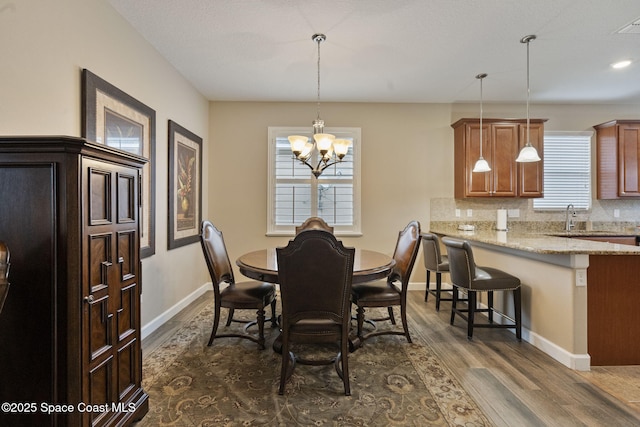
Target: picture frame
185, 186
112, 117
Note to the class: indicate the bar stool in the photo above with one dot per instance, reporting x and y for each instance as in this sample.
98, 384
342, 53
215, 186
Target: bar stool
435, 262
466, 275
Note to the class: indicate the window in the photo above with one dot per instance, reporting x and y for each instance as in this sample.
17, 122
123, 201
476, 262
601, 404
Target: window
294, 194
567, 171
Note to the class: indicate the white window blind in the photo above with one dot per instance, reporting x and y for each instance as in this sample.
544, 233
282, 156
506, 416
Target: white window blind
567, 171
294, 194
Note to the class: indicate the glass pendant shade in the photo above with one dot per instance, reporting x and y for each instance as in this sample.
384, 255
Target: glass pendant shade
528, 154
481, 165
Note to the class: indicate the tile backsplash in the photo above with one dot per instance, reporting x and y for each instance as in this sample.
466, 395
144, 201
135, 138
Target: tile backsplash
603, 215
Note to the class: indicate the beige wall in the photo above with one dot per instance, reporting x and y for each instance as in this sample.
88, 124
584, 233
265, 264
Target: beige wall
406, 157
45, 44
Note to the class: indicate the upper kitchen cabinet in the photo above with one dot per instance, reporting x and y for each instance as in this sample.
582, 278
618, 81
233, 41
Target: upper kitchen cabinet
618, 156
502, 140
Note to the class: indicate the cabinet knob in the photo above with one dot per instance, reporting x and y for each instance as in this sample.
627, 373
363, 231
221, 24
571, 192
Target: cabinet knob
89, 299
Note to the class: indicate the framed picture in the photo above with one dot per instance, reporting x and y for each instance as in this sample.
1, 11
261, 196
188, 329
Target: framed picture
185, 186
113, 118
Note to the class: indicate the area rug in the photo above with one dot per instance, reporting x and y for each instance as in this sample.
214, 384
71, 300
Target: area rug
393, 383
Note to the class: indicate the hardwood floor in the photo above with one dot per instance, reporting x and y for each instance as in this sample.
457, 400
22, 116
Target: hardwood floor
514, 383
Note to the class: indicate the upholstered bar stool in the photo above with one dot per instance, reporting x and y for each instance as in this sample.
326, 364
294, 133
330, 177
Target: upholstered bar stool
435, 262
466, 275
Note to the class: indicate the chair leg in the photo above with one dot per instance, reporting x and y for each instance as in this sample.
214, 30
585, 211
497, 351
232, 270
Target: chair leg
403, 316
216, 322
454, 303
426, 292
274, 319
471, 314
517, 305
438, 290
490, 305
360, 317
344, 356
261, 318
230, 316
391, 315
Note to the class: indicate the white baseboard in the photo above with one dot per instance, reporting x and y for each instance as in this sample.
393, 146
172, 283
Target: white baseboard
164, 317
578, 362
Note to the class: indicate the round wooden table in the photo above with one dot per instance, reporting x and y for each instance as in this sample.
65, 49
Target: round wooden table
262, 265
368, 265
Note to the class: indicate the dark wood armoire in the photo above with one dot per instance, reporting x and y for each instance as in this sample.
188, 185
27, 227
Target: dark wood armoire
70, 327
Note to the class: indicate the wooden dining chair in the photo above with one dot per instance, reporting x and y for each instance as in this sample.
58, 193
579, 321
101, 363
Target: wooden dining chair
315, 273
314, 223
235, 296
392, 291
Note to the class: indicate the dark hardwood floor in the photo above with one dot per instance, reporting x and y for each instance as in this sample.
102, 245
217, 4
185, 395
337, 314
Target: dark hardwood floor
514, 383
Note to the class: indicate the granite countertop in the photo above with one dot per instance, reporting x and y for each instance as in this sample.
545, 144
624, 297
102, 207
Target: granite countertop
543, 243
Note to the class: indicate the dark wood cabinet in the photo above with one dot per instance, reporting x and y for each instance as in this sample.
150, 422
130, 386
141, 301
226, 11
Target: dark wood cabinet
70, 328
618, 159
502, 141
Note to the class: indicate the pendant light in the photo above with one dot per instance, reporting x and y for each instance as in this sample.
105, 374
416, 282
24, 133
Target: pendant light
528, 152
481, 165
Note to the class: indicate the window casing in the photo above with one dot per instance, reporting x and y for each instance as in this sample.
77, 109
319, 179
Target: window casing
294, 194
567, 171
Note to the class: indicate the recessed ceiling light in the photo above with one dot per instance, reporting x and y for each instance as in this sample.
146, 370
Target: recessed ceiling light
621, 64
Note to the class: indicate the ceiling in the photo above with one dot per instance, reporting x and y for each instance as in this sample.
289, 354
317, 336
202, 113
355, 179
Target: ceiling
397, 50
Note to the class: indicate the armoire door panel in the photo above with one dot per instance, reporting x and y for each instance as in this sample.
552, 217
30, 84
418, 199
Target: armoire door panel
127, 206
127, 377
127, 313
99, 203
99, 260
127, 254
99, 341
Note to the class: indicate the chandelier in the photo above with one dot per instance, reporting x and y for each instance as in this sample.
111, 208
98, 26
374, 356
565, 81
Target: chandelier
528, 152
329, 149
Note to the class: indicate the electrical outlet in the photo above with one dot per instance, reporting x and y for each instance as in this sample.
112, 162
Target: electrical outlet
457, 213
513, 213
581, 277
469, 213
616, 213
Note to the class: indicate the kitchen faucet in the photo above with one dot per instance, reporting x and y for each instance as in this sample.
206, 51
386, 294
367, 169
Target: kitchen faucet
569, 219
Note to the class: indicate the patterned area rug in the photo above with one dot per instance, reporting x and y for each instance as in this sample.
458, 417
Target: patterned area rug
393, 383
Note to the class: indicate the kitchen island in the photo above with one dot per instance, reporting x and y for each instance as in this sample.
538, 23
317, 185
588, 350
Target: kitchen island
578, 296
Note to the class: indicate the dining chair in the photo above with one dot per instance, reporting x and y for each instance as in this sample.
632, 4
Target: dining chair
250, 295
315, 272
392, 291
314, 223
466, 275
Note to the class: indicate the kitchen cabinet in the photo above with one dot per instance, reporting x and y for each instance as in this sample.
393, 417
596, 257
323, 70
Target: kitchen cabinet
70, 327
618, 158
502, 140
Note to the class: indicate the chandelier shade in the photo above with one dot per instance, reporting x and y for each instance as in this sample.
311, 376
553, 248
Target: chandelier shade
528, 152
329, 149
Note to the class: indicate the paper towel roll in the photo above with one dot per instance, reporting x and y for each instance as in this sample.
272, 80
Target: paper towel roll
501, 221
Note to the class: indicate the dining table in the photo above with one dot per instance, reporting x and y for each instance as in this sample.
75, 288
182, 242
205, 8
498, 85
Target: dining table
368, 265
262, 265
